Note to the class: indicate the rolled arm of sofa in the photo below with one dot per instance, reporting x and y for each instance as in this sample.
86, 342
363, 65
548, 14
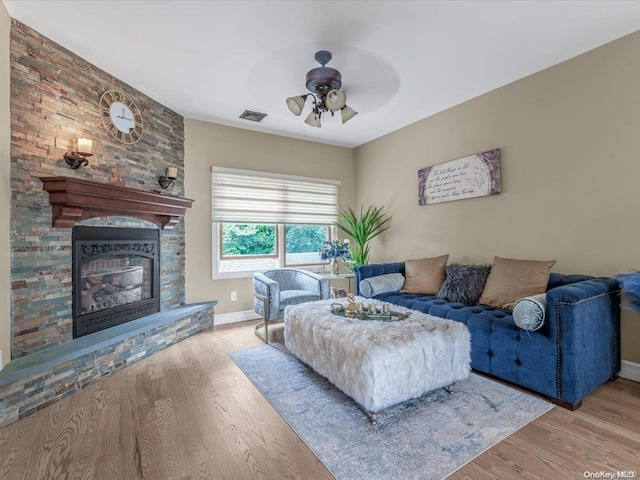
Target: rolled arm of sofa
375, 269
583, 290
584, 323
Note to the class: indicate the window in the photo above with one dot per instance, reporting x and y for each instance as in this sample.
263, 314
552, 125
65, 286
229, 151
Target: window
247, 247
303, 243
263, 220
248, 240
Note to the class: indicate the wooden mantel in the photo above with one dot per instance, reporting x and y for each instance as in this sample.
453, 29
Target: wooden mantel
75, 199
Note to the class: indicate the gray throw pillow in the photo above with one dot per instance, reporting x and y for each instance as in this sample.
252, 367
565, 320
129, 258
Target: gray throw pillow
464, 283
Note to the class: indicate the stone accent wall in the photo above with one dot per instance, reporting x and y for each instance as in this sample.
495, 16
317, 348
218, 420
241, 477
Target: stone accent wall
54, 100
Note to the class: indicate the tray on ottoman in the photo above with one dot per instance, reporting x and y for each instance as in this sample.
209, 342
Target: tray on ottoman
377, 363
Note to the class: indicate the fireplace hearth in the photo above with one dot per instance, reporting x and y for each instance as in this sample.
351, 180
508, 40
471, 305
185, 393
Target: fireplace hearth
115, 276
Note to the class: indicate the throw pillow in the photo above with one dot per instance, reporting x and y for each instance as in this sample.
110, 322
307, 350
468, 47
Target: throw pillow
464, 283
425, 275
528, 312
511, 280
391, 282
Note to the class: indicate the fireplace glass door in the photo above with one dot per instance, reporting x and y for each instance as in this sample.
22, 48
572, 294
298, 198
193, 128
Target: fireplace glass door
115, 276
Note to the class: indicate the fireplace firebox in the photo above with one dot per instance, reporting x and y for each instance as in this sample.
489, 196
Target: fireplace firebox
116, 276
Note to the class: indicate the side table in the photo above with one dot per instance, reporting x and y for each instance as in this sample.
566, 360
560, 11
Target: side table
349, 276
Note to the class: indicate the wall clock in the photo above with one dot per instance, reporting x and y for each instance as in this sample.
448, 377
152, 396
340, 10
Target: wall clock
121, 117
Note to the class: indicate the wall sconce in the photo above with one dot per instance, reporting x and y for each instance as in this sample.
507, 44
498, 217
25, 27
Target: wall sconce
78, 158
167, 180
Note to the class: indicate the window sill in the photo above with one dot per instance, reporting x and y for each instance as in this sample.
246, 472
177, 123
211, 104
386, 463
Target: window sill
249, 273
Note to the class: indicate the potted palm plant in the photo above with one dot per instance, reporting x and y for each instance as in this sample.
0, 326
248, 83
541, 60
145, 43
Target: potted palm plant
362, 227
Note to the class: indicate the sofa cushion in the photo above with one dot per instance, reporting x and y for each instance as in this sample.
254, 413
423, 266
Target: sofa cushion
441, 308
464, 283
511, 280
391, 282
528, 312
425, 275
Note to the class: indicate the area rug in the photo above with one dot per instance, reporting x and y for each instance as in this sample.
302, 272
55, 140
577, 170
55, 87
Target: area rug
427, 438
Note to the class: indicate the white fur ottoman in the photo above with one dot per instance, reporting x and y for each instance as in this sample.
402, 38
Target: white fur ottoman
378, 364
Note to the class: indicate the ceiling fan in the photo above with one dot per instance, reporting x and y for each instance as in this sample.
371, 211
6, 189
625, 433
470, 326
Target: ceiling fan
324, 83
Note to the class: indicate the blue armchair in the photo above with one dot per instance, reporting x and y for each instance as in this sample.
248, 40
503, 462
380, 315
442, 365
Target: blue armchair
274, 289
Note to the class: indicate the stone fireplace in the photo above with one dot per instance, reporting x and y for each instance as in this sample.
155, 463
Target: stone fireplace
115, 276
49, 112
57, 345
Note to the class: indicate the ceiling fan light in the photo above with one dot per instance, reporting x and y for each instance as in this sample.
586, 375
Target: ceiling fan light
335, 100
296, 104
313, 120
347, 113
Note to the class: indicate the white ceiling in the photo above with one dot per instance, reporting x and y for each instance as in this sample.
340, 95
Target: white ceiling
400, 61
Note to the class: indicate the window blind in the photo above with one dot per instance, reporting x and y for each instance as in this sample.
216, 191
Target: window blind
245, 196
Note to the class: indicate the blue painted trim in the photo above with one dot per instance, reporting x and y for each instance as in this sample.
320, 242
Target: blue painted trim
51, 357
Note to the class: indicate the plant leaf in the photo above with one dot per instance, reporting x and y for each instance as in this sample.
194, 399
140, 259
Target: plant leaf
362, 229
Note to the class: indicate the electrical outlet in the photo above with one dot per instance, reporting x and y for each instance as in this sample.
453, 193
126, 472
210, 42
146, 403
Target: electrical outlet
234, 296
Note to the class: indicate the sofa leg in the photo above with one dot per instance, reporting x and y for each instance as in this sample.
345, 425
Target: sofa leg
569, 406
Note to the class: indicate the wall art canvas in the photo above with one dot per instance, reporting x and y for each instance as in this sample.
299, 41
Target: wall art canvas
473, 176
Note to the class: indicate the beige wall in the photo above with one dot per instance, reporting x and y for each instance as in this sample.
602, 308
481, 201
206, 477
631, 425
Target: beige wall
570, 143
209, 144
5, 190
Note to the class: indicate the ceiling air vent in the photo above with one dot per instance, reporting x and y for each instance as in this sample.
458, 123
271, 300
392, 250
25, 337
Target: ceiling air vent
253, 116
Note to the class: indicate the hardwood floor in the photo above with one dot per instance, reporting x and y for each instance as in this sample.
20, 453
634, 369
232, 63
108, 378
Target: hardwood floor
188, 412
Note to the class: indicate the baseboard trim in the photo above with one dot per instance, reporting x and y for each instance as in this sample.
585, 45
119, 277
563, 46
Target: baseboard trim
630, 370
235, 317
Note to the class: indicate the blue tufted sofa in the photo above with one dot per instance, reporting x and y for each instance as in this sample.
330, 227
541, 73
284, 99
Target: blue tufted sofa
576, 350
